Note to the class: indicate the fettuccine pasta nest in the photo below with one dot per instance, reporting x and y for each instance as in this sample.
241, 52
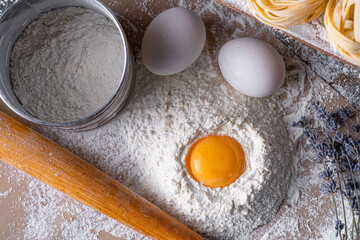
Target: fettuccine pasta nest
342, 22
284, 13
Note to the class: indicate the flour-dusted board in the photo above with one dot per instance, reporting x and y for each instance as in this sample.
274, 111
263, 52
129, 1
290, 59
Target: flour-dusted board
31, 210
312, 33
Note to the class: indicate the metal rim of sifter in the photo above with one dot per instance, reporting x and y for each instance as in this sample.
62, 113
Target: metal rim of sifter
16, 17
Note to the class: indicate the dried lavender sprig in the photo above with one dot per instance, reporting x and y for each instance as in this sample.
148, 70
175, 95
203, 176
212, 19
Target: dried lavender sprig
342, 202
356, 187
349, 186
337, 150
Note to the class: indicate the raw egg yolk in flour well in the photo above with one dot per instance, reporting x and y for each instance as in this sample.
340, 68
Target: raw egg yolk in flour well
215, 161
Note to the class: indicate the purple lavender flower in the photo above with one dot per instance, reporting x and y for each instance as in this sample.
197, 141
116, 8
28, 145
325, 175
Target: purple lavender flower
329, 187
330, 122
354, 204
356, 128
351, 184
301, 123
356, 167
345, 113
338, 227
327, 173
339, 137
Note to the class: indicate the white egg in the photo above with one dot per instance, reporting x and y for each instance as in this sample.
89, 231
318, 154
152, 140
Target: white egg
252, 66
173, 41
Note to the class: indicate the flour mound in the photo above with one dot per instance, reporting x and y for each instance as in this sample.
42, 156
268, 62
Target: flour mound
168, 116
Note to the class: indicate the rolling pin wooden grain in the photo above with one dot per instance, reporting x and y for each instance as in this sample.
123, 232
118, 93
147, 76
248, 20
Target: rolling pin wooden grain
45, 160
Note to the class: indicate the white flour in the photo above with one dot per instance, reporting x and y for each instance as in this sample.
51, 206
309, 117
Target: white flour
144, 148
67, 64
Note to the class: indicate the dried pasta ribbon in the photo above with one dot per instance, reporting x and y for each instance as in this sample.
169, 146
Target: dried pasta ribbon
342, 22
284, 13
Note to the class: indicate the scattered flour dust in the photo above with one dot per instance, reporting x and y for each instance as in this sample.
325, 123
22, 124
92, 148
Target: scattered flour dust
67, 64
7, 192
145, 145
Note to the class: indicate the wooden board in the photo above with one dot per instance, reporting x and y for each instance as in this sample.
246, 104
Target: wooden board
311, 34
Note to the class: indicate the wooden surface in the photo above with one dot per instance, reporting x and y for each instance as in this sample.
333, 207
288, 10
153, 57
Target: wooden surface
135, 16
48, 162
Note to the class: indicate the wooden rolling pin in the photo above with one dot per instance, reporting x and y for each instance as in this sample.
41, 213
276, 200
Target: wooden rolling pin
45, 160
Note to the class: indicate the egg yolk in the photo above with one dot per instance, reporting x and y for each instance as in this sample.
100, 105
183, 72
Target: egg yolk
215, 161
